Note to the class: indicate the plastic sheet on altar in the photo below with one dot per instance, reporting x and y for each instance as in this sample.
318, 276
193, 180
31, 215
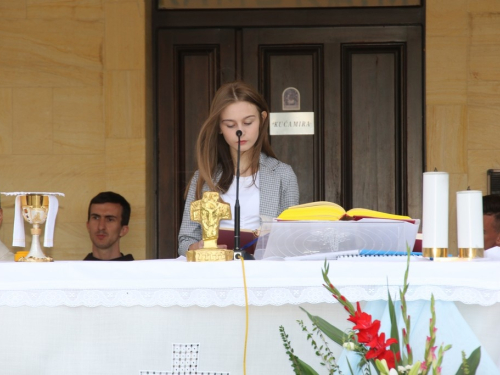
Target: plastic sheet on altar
313, 239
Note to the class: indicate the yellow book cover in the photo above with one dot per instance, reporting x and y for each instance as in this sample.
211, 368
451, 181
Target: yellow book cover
322, 210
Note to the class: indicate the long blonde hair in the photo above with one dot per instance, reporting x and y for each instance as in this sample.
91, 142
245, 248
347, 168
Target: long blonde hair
213, 153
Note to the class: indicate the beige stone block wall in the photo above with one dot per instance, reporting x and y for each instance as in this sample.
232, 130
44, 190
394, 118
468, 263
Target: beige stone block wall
463, 94
73, 105
72, 111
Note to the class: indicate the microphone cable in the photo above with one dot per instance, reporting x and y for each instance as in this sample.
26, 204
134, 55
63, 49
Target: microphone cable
246, 316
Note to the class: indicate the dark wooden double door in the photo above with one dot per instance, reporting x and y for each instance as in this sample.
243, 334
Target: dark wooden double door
364, 85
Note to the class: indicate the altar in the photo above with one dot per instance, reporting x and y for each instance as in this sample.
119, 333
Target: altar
120, 318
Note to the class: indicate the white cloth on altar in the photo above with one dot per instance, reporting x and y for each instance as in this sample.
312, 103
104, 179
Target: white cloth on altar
180, 283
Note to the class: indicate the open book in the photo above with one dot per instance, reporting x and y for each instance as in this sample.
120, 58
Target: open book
248, 239
331, 211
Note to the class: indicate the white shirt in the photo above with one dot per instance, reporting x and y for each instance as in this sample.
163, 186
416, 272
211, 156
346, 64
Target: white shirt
249, 203
492, 253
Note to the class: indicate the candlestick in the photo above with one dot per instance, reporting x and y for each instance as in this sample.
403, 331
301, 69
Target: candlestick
435, 215
470, 224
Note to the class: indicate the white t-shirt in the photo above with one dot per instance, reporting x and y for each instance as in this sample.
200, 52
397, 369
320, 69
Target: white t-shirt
249, 203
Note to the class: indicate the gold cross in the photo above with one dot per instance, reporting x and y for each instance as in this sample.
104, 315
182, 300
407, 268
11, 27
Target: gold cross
209, 211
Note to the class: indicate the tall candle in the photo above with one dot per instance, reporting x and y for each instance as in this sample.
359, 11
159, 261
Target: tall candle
470, 221
435, 213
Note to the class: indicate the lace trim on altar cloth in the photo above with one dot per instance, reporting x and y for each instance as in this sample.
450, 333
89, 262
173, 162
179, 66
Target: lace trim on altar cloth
185, 362
235, 296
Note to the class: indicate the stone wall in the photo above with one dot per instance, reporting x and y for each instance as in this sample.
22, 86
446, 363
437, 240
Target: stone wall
72, 111
463, 94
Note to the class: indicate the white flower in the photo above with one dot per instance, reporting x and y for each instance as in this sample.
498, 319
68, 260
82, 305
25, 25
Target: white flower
393, 371
404, 369
349, 345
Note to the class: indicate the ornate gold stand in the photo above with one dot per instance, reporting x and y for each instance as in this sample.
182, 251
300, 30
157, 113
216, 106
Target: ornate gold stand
209, 255
20, 254
470, 253
435, 252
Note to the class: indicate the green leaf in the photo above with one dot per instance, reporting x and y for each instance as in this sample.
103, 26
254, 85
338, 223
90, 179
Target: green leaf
304, 368
331, 331
350, 368
381, 367
415, 368
472, 363
394, 323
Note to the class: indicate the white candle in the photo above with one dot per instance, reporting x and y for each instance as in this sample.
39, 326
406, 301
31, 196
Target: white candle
470, 219
435, 210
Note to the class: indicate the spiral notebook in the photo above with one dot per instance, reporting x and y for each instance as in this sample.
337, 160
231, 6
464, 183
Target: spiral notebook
351, 254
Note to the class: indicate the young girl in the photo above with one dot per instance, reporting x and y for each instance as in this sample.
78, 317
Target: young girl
267, 186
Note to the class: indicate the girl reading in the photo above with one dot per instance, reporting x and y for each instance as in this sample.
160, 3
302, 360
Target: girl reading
267, 186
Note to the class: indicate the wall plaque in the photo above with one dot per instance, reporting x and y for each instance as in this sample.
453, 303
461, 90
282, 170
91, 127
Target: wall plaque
290, 99
291, 123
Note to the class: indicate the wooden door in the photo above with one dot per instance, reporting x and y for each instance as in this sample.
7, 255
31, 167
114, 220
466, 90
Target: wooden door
364, 85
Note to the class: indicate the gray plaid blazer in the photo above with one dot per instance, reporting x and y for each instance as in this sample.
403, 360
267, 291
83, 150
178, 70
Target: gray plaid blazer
278, 191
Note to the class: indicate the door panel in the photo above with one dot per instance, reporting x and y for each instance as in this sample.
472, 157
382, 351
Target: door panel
374, 128
361, 83
300, 151
191, 66
286, 65
354, 80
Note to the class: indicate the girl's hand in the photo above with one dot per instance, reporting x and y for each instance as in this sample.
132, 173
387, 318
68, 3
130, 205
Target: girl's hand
199, 245
196, 245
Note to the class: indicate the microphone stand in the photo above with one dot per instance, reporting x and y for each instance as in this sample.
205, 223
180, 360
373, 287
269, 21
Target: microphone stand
238, 253
237, 202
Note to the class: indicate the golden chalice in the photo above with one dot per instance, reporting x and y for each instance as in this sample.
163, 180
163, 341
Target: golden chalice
35, 208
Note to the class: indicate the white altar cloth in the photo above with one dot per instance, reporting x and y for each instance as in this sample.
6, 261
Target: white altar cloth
178, 283
121, 317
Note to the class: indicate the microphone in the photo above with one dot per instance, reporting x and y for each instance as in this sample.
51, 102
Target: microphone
238, 253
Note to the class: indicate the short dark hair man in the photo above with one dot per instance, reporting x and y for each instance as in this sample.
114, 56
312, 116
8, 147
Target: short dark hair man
491, 220
107, 223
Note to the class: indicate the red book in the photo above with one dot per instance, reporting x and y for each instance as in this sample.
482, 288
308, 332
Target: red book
248, 239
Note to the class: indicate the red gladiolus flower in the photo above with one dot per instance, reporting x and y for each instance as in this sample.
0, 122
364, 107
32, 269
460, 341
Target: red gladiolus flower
361, 319
369, 334
378, 350
389, 358
367, 330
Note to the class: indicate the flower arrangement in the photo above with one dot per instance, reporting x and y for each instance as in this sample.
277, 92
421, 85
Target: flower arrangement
384, 356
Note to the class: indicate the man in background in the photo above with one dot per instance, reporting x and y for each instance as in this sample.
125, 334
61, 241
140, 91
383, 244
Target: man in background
491, 221
107, 223
5, 253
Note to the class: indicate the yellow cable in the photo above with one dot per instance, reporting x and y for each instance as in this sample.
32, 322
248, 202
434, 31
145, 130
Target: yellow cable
246, 314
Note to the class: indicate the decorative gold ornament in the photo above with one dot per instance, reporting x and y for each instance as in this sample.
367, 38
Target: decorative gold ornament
471, 253
209, 211
35, 208
435, 252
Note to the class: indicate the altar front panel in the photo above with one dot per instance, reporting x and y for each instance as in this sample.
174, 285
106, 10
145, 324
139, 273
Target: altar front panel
108, 318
